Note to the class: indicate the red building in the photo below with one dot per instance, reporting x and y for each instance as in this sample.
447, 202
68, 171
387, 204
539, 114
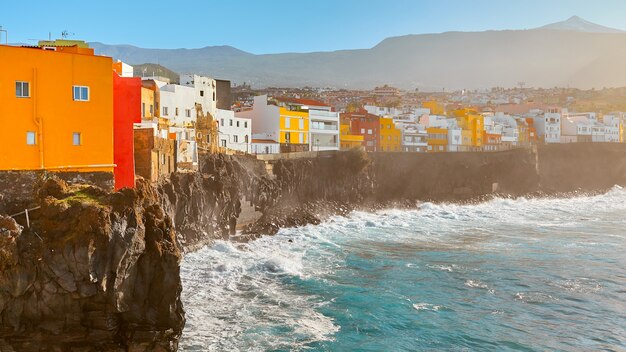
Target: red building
364, 124
126, 111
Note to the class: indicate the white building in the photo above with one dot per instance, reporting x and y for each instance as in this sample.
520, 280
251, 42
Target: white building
382, 111
177, 103
234, 132
548, 126
265, 119
323, 129
576, 129
205, 91
613, 124
127, 70
264, 146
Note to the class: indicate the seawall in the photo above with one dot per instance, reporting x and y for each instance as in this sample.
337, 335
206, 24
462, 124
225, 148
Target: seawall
97, 271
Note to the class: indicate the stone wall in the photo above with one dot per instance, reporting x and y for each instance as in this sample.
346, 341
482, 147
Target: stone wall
155, 158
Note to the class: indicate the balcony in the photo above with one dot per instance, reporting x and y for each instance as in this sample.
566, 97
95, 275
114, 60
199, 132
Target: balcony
323, 127
319, 115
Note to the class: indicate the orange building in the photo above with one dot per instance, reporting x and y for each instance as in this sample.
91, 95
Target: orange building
57, 109
437, 139
470, 120
435, 107
390, 136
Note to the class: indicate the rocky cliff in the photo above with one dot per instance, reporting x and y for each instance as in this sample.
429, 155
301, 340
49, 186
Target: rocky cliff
98, 271
93, 272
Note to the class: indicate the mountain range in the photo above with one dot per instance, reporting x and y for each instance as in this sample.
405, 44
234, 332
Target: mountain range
574, 53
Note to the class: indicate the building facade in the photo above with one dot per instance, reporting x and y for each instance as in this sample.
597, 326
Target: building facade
235, 133
58, 105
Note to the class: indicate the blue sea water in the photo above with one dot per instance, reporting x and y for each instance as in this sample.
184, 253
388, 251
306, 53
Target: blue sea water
504, 275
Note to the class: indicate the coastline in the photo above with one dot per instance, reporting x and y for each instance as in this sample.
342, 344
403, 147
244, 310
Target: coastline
100, 256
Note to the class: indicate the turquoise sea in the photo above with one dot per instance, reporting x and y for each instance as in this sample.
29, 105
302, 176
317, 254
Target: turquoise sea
503, 275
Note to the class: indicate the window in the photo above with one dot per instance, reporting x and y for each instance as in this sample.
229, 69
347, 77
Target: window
31, 138
287, 137
187, 112
221, 122
237, 123
213, 96
362, 130
165, 111
245, 124
143, 109
22, 89
201, 93
81, 93
224, 143
151, 109
176, 112
301, 124
369, 131
287, 122
77, 138
302, 138
230, 122
162, 159
236, 139
245, 138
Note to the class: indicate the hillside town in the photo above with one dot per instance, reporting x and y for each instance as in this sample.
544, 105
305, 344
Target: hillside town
75, 111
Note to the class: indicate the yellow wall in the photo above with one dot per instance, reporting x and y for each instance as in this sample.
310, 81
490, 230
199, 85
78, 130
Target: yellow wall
437, 144
294, 126
468, 119
51, 112
347, 140
435, 107
390, 136
147, 101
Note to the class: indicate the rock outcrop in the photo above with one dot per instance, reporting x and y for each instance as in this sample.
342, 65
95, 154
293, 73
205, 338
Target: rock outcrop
94, 272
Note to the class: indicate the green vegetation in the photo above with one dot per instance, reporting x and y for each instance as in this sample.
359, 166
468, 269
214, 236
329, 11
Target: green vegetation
148, 69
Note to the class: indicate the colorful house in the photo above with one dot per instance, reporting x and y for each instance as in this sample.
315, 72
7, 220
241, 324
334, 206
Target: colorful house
469, 119
366, 125
58, 104
390, 136
126, 112
437, 139
287, 124
349, 140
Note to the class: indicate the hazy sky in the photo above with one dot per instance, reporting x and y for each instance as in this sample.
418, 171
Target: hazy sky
273, 26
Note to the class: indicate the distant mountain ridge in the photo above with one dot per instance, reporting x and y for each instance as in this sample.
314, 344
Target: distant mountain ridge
574, 53
578, 24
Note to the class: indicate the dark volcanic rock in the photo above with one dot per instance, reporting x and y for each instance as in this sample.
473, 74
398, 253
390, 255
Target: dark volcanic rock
91, 274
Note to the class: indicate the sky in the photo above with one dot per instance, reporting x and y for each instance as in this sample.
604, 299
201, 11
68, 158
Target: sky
275, 26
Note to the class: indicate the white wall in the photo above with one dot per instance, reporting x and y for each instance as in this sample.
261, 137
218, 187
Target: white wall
174, 96
234, 132
205, 92
265, 118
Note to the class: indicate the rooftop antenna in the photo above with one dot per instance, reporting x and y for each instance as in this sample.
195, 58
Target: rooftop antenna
6, 35
521, 85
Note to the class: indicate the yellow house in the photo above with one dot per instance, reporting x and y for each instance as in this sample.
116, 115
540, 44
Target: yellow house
294, 126
435, 107
390, 136
469, 119
348, 140
437, 139
56, 109
147, 104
